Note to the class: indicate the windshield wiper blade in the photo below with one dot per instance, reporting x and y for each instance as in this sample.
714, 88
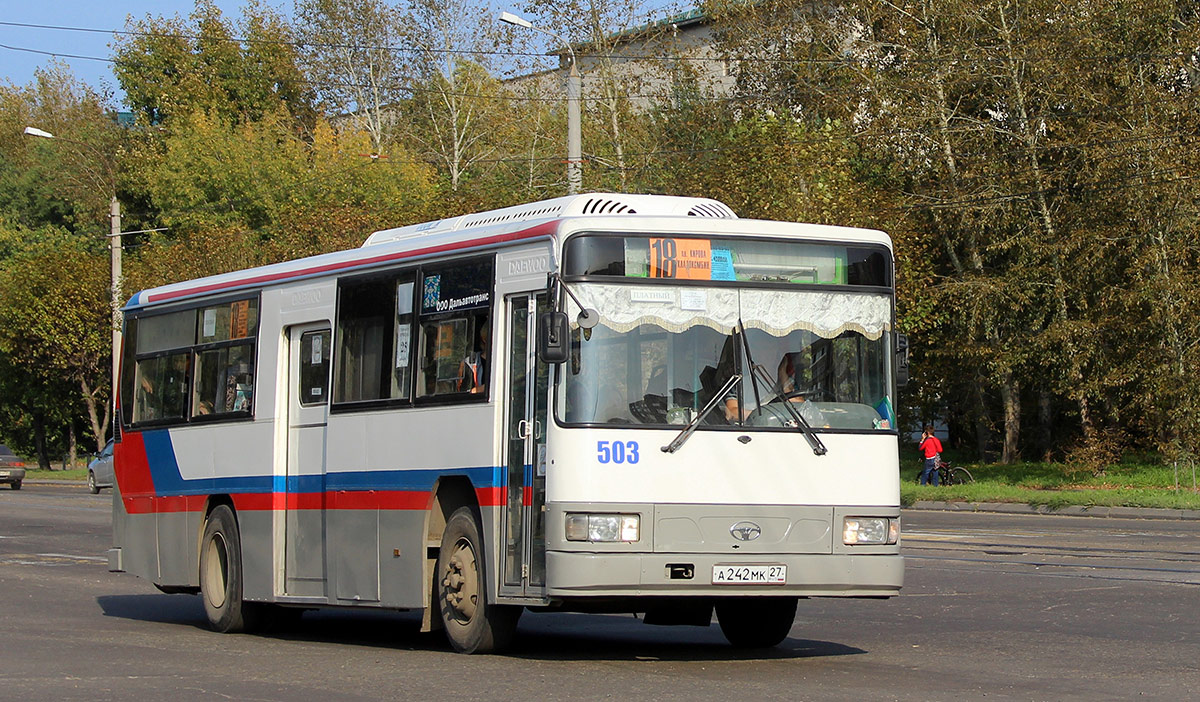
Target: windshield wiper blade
818, 446
690, 429
741, 331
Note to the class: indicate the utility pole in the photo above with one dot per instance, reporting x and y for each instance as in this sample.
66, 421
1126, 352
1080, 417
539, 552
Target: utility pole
574, 131
114, 245
574, 95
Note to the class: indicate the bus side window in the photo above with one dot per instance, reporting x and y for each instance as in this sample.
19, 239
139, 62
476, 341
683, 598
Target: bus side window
372, 357
224, 380
161, 388
453, 340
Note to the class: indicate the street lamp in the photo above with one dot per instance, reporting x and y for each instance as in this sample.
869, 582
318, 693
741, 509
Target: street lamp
574, 89
114, 246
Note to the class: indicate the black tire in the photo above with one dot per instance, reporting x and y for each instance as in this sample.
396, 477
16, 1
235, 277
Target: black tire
756, 622
221, 576
960, 476
472, 623
92, 487
16, 485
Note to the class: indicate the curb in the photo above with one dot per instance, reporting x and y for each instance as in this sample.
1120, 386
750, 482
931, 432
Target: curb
1069, 511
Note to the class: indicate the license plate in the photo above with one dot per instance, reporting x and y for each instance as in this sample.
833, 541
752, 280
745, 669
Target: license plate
773, 574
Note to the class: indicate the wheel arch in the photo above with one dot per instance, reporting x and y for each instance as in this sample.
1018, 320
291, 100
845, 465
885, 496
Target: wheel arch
449, 494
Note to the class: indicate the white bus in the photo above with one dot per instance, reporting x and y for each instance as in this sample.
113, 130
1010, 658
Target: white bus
596, 403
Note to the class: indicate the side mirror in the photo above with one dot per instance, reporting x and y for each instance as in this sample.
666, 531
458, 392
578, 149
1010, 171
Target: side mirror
901, 360
553, 334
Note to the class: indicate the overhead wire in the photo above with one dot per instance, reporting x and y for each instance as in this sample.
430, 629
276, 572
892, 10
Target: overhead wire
987, 55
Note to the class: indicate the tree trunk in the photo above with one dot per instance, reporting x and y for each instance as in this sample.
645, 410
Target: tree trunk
99, 426
983, 423
1045, 423
69, 458
39, 441
1010, 396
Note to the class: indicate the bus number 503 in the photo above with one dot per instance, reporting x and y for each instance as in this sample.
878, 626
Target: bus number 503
617, 451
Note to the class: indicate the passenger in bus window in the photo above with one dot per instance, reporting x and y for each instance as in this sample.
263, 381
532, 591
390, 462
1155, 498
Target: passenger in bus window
473, 370
146, 408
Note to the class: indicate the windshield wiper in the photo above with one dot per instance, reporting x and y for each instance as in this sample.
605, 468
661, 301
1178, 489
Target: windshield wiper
741, 331
818, 447
690, 429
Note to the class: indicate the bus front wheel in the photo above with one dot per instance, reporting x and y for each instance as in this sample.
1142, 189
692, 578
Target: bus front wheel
221, 575
472, 623
756, 622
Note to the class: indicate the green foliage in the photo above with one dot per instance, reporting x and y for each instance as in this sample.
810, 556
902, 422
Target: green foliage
1046, 243
213, 177
1139, 481
173, 67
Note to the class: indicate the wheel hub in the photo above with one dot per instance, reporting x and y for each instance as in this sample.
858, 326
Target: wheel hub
460, 582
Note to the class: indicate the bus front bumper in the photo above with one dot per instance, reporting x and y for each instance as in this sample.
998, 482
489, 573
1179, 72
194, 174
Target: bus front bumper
573, 574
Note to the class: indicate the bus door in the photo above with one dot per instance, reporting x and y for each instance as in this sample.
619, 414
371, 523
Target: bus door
526, 416
309, 350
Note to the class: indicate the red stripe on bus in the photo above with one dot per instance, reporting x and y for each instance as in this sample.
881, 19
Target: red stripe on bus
381, 499
267, 502
539, 230
132, 467
490, 496
527, 495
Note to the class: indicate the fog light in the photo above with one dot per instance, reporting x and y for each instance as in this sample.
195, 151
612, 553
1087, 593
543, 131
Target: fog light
603, 527
867, 530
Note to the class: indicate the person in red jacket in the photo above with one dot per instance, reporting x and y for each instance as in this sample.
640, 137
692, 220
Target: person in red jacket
931, 450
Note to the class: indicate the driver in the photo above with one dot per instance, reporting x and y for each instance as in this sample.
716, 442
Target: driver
788, 388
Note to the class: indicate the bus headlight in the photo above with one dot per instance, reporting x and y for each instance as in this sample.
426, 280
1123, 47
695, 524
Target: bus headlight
870, 530
603, 527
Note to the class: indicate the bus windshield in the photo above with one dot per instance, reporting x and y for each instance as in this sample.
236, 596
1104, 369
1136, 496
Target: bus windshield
661, 353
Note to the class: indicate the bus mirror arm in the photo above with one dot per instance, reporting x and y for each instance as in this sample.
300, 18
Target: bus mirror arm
901, 360
690, 429
588, 317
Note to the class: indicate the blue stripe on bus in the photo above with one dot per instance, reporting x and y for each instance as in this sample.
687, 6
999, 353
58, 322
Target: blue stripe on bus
169, 482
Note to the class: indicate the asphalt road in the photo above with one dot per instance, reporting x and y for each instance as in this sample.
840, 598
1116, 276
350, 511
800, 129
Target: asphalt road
1002, 607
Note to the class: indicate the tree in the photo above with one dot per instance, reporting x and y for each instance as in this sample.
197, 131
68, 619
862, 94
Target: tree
54, 327
174, 67
350, 50
456, 111
1013, 128
253, 180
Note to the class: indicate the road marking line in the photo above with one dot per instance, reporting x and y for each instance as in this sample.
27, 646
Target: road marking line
100, 559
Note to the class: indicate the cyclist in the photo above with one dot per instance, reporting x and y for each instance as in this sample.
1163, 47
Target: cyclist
931, 449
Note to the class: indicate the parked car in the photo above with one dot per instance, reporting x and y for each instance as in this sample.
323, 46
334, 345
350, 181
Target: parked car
100, 469
12, 469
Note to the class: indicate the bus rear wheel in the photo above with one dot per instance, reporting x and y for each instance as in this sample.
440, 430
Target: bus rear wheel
756, 622
221, 575
472, 623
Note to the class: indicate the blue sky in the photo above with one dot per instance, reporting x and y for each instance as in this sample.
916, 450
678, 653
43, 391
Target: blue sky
17, 66
25, 48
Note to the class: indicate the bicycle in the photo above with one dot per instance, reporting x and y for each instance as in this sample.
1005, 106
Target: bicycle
953, 475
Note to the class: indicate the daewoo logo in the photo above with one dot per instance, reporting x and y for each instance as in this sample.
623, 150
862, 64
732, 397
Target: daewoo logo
745, 531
